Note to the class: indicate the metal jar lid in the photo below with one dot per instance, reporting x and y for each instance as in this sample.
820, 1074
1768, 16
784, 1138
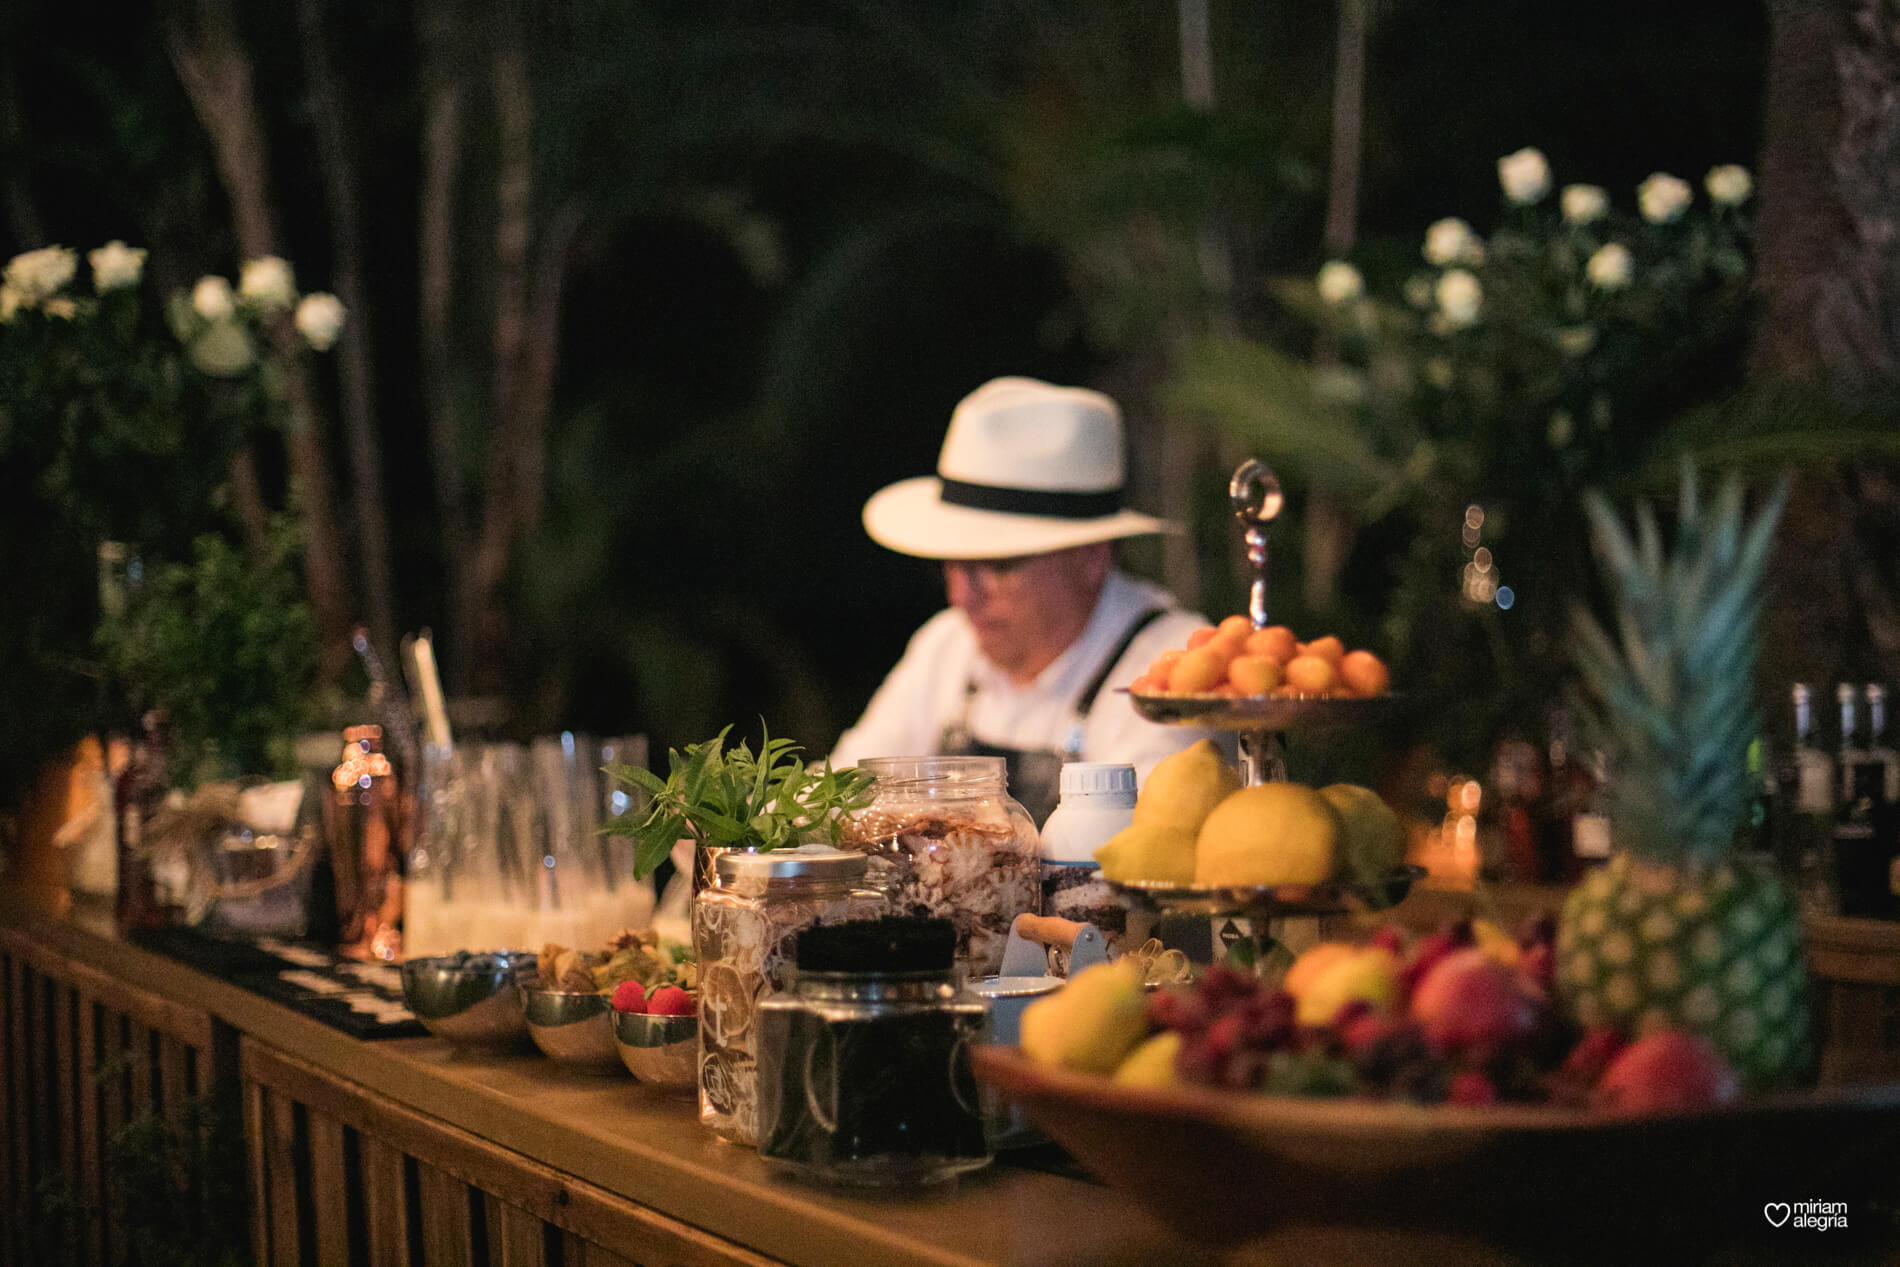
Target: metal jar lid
807, 862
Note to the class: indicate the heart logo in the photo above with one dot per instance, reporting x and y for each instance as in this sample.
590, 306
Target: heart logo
1776, 1212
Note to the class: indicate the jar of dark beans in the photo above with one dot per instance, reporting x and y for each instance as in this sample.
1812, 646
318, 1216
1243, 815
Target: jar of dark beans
864, 1064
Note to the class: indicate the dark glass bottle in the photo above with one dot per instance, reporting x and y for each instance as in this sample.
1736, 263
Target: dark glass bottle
1865, 861
139, 792
1810, 802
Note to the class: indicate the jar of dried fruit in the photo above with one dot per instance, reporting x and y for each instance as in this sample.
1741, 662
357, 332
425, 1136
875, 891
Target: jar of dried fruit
947, 840
745, 932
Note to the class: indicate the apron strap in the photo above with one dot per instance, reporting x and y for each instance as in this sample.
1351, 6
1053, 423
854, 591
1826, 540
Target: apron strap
1086, 700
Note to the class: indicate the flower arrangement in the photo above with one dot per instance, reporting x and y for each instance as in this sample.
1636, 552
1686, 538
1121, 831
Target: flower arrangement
120, 415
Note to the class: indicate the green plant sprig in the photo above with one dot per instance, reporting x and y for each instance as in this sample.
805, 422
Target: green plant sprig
716, 796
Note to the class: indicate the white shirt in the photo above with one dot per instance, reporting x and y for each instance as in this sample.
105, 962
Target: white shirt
925, 692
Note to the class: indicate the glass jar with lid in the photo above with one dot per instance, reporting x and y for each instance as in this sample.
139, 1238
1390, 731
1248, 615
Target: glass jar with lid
745, 930
947, 840
865, 1073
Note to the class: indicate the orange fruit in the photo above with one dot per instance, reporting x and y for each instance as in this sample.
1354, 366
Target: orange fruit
1329, 648
1236, 627
1364, 673
1201, 669
1164, 663
1200, 636
1310, 674
1254, 674
1276, 642
1148, 684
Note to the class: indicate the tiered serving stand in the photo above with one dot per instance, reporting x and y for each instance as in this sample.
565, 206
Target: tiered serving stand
1261, 725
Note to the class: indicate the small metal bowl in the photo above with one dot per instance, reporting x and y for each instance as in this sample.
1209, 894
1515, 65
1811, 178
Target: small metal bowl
571, 1028
662, 1050
470, 1000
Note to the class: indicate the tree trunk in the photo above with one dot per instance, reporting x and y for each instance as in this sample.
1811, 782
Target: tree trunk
215, 70
1827, 258
531, 266
1329, 523
355, 365
440, 32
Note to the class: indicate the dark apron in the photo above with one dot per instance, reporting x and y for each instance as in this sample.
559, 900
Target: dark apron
1035, 774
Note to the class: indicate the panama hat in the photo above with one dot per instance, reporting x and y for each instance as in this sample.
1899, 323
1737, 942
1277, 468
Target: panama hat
1026, 468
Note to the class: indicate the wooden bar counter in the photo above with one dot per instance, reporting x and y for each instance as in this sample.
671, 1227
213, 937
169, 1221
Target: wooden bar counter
409, 1151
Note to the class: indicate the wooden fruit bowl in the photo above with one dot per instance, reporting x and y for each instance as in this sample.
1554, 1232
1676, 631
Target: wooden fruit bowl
1224, 1167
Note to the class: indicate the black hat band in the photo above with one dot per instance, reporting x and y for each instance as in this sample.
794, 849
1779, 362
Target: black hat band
1032, 501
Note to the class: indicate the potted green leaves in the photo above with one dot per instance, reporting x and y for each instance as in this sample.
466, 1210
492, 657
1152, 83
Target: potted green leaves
731, 798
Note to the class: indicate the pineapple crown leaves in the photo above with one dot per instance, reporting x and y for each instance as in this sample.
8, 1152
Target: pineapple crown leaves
1670, 695
731, 796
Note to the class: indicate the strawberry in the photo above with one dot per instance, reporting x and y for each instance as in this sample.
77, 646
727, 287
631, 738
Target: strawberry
630, 996
670, 1000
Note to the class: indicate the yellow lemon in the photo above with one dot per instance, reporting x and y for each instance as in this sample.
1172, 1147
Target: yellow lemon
1495, 942
1372, 841
1152, 1063
1145, 852
1369, 976
1090, 1024
1313, 962
1184, 788
1272, 833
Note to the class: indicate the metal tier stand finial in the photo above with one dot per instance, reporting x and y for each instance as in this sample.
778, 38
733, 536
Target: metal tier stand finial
1257, 500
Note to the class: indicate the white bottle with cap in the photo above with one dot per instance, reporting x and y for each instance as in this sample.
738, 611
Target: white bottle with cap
1098, 800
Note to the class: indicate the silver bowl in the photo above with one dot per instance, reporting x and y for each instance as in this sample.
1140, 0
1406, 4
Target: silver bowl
470, 1000
661, 1050
572, 1028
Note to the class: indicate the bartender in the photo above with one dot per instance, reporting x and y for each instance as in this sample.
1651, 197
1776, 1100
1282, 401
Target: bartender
1042, 628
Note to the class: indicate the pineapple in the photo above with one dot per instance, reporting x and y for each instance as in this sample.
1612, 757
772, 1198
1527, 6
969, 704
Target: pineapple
1676, 930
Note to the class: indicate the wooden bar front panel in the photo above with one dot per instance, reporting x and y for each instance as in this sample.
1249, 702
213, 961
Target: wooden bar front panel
421, 1184
82, 1056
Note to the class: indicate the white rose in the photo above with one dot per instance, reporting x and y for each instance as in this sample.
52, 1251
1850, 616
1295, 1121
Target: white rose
212, 299
1728, 184
1584, 204
1339, 283
319, 318
1451, 241
267, 284
61, 307
10, 302
37, 275
1524, 175
1663, 197
115, 266
1459, 298
1611, 267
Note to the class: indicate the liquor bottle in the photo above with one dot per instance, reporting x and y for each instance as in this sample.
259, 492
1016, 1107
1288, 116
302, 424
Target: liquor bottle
139, 792
366, 848
1810, 798
1864, 857
1761, 822
1590, 827
1850, 753
1877, 746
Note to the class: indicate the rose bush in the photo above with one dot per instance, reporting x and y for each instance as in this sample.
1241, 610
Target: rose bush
121, 412
1466, 398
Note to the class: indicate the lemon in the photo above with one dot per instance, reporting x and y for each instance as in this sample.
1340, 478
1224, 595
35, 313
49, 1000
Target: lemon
1269, 834
1152, 1063
1092, 1023
1372, 841
1145, 852
1184, 788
